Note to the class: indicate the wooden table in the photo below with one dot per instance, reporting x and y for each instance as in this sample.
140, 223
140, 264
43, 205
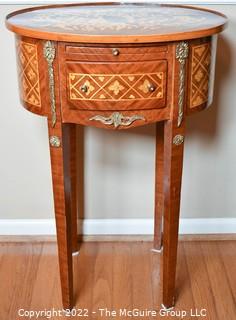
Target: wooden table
116, 66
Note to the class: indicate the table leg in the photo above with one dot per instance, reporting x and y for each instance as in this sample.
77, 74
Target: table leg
73, 175
159, 199
60, 151
173, 163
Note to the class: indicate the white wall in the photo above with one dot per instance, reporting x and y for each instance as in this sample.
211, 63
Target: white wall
119, 166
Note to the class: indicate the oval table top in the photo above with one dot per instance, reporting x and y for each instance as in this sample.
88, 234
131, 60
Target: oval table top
115, 22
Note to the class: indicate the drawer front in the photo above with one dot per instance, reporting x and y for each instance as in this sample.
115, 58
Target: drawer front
114, 86
114, 53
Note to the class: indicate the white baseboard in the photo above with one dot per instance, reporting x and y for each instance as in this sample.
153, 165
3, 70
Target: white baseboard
116, 226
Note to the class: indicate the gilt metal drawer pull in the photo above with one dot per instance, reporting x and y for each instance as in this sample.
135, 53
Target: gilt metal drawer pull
115, 52
117, 119
151, 87
84, 88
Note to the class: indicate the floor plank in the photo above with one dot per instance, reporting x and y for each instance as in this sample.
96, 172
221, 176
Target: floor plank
49, 282
199, 281
228, 257
141, 269
224, 301
122, 293
102, 287
84, 265
184, 295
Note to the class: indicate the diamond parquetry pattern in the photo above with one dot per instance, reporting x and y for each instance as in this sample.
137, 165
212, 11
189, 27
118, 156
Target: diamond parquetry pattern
28, 73
200, 74
120, 87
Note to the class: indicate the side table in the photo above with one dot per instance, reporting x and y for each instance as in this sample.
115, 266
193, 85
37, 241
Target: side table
116, 66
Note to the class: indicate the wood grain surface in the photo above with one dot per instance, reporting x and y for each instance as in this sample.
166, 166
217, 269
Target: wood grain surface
118, 275
159, 186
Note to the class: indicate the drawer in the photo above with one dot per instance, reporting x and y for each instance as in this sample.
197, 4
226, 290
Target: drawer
115, 53
113, 86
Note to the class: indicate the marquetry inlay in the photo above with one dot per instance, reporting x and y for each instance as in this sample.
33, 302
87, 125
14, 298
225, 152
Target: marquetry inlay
28, 73
116, 20
116, 86
200, 74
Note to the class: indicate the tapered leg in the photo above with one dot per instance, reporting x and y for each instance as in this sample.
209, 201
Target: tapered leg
60, 151
173, 162
159, 199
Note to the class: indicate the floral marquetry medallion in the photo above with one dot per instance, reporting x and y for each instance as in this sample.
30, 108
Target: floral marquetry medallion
111, 87
200, 74
28, 73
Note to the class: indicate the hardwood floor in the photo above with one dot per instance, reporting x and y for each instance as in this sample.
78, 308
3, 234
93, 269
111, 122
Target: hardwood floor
119, 275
